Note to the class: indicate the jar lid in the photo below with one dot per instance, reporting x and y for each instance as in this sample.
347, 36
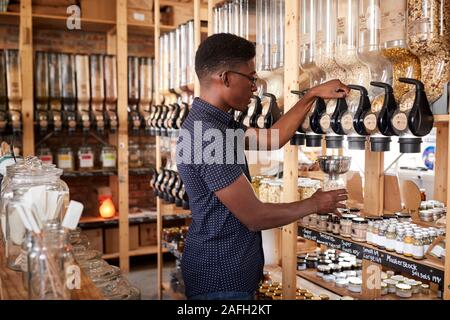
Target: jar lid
388, 216
359, 221
402, 215
403, 287
323, 214
348, 216
355, 281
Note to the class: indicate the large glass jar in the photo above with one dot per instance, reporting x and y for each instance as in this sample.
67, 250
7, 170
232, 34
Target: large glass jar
25, 186
428, 38
66, 159
134, 155
394, 47
108, 157
85, 158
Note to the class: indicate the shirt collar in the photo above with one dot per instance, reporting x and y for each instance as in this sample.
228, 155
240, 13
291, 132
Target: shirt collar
216, 113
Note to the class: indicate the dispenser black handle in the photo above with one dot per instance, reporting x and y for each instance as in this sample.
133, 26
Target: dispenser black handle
269, 95
361, 89
383, 85
419, 85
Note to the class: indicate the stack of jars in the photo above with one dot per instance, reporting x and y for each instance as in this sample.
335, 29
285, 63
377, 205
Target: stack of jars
404, 238
271, 189
431, 210
271, 290
402, 287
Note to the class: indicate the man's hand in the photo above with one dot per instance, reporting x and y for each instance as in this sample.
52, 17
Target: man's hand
332, 89
327, 202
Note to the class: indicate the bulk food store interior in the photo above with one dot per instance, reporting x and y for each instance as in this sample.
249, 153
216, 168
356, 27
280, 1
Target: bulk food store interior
93, 95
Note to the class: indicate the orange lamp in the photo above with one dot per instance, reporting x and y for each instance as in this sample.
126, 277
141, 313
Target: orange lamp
107, 209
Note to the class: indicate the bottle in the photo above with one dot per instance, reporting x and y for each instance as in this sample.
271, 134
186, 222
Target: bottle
86, 158
390, 238
108, 157
375, 231
426, 241
418, 252
399, 241
408, 244
382, 236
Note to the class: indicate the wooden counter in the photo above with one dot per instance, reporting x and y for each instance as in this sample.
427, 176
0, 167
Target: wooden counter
11, 285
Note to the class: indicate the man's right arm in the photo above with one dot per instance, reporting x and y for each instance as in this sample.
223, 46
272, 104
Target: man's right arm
241, 200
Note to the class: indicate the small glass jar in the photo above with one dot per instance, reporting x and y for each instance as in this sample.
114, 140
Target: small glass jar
65, 159
149, 155
403, 290
330, 223
390, 238
322, 222
382, 236
369, 234
346, 225
359, 229
134, 155
264, 190
276, 192
375, 231
408, 244
399, 241
384, 289
85, 158
417, 249
354, 284
426, 241
425, 289
336, 225
108, 157
313, 220
45, 155
301, 264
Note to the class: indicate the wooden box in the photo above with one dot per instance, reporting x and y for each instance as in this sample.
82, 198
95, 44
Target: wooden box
98, 9
95, 238
112, 239
139, 16
148, 234
140, 4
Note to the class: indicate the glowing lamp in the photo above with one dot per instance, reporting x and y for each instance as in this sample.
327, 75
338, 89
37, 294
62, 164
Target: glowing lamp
107, 209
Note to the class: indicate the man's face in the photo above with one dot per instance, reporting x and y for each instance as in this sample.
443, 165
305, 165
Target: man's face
241, 86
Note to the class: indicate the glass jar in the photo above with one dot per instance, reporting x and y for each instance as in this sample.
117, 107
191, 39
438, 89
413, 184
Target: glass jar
417, 248
359, 229
322, 223
375, 231
264, 190
382, 236
330, 223
399, 241
346, 225
336, 225
391, 236
45, 155
66, 159
85, 158
108, 157
313, 220
428, 30
134, 155
408, 244
29, 182
275, 191
369, 233
426, 241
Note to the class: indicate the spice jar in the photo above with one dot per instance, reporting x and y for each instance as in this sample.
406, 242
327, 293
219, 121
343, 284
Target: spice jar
85, 158
65, 159
403, 290
330, 223
359, 229
382, 236
426, 241
375, 231
425, 289
134, 155
417, 249
336, 225
390, 238
399, 241
108, 157
346, 225
313, 219
322, 222
45, 155
408, 244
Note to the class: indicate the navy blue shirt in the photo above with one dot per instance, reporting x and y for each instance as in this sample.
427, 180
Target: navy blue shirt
221, 254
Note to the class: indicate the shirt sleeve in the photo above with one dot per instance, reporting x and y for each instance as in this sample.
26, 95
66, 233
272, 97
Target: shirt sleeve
219, 176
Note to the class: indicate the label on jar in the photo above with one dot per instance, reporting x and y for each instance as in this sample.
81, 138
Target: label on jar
274, 48
362, 23
65, 161
400, 121
347, 122
86, 160
417, 251
375, 239
370, 122
381, 241
325, 122
390, 244
46, 159
399, 247
407, 249
393, 18
109, 159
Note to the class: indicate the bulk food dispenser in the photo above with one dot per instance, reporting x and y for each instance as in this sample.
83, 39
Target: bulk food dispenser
69, 92
146, 90
14, 90
310, 126
83, 91
41, 91
428, 38
54, 73
97, 91
134, 118
110, 68
3, 94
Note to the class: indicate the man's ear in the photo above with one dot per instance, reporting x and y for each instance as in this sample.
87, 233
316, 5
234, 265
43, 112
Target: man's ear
225, 79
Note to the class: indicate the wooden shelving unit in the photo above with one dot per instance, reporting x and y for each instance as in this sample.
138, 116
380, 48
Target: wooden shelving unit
10, 18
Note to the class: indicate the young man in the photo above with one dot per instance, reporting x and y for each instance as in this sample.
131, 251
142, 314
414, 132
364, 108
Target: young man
223, 255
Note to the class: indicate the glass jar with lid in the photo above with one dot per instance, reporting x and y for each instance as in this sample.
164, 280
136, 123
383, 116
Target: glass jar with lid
426, 241
322, 223
428, 38
66, 158
382, 236
85, 158
28, 182
346, 225
275, 191
417, 248
45, 154
359, 229
108, 157
134, 155
336, 225
399, 240
391, 237
408, 241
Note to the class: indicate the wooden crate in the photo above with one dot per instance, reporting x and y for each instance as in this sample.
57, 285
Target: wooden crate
98, 9
140, 16
95, 238
112, 239
148, 234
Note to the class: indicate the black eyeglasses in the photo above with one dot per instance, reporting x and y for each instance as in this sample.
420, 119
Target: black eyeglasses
253, 80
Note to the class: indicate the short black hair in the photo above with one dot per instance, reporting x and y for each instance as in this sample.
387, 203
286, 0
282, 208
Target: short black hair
220, 50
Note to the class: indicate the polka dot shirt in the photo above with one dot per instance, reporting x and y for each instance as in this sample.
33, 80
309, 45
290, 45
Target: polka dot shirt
220, 253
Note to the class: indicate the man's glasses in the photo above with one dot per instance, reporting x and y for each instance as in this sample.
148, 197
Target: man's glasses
253, 80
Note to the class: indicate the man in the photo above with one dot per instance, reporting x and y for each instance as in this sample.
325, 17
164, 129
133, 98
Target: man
223, 255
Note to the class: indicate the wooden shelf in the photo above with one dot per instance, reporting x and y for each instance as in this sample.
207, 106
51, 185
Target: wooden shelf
146, 30
173, 295
142, 251
10, 18
90, 173
310, 275
441, 118
99, 222
45, 21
